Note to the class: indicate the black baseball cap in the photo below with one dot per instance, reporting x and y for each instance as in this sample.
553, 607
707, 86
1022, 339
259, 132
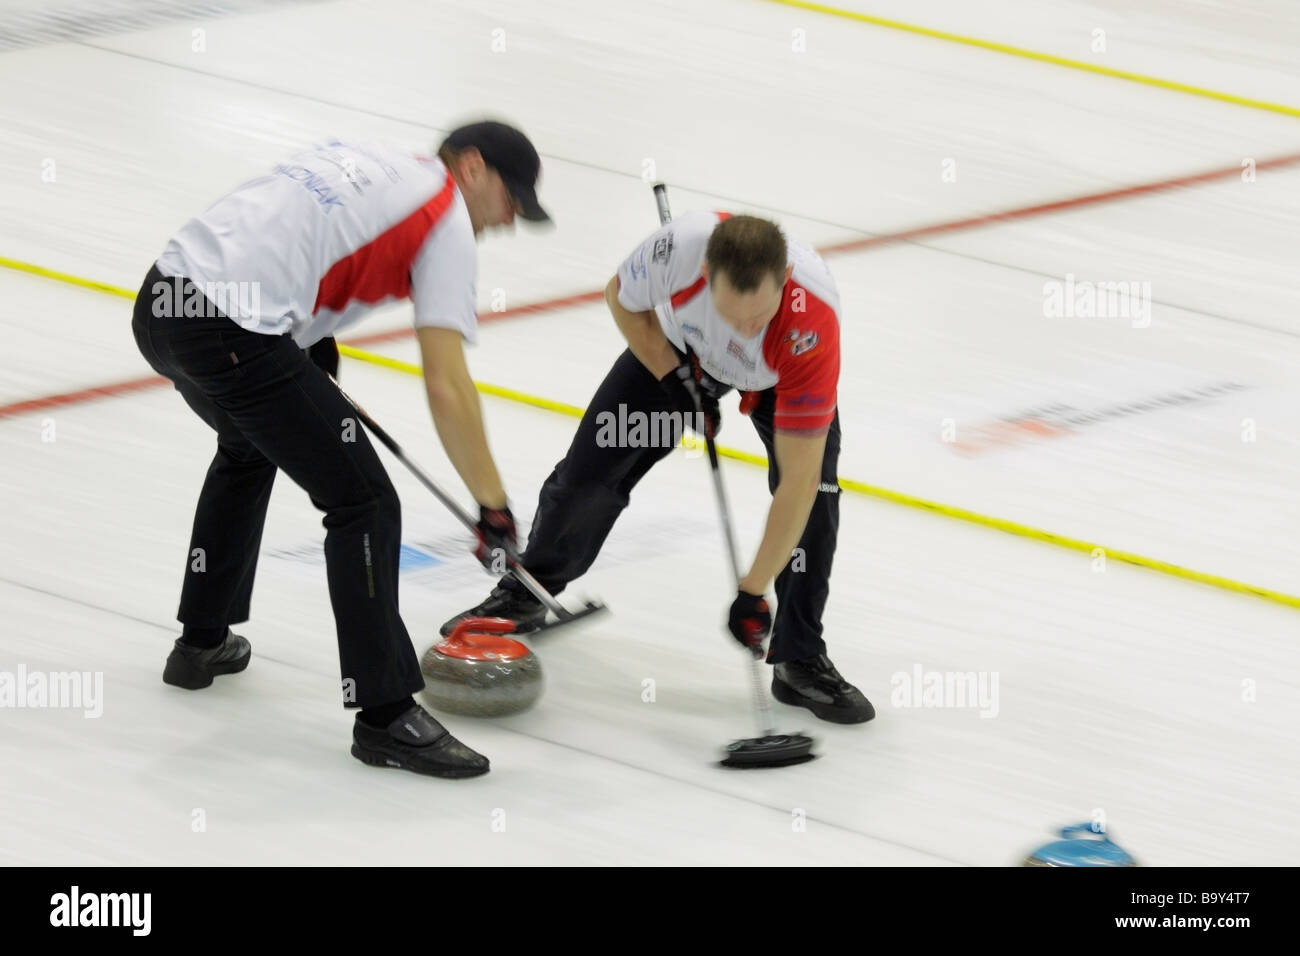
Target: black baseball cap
509, 152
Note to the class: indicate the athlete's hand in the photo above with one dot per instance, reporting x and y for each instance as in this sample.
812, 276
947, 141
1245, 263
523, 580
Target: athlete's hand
689, 397
750, 621
709, 385
498, 539
325, 355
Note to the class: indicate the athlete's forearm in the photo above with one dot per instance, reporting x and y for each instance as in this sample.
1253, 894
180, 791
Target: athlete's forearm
644, 336
457, 414
786, 518
458, 417
799, 462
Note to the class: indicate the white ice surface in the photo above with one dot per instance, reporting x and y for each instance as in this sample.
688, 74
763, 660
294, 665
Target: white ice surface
1121, 690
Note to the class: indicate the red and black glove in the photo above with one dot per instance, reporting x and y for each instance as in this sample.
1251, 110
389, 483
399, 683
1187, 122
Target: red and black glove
750, 621
498, 539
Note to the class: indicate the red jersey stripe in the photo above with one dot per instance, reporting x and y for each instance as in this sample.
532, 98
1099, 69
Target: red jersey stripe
683, 296
382, 267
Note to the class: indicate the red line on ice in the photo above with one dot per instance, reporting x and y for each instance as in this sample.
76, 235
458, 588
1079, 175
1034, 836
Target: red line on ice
582, 298
1060, 205
151, 381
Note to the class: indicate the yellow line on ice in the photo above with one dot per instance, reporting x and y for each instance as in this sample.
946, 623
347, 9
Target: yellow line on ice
848, 484
509, 394
1023, 53
875, 491
32, 269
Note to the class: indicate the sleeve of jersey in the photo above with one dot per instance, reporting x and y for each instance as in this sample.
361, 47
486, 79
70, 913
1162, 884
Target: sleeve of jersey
647, 277
444, 278
809, 373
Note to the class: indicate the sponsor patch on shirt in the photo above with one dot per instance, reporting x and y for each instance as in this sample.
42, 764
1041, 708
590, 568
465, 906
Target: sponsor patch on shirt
733, 348
663, 249
637, 266
801, 342
797, 401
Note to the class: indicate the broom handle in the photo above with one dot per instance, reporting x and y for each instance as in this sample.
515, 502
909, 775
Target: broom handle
517, 569
761, 707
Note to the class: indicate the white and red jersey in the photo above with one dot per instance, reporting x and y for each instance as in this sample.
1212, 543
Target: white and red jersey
331, 233
798, 352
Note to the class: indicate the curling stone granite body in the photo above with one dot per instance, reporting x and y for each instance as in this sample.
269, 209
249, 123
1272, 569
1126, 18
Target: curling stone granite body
480, 675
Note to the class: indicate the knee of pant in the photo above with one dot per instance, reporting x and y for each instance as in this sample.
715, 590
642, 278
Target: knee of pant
390, 506
375, 499
587, 496
603, 497
241, 452
574, 483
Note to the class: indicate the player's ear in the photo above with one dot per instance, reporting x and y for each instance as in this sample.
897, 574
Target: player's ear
472, 166
789, 271
704, 271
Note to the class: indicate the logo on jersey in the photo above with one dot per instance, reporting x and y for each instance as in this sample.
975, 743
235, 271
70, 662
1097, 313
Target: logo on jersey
348, 167
663, 249
636, 267
734, 349
801, 342
313, 182
807, 398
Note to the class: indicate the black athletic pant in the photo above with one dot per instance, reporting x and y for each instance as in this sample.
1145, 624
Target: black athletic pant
273, 407
587, 491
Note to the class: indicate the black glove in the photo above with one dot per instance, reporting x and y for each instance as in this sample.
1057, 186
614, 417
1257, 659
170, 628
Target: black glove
498, 539
750, 621
325, 355
689, 397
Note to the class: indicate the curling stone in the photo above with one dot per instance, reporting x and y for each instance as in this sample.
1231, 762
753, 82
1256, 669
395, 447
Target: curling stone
1081, 846
477, 671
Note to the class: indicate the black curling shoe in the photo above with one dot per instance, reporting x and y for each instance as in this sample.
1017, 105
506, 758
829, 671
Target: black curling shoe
526, 611
416, 742
194, 667
815, 683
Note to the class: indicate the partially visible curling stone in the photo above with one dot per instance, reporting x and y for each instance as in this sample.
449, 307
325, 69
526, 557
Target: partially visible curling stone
476, 671
1081, 845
